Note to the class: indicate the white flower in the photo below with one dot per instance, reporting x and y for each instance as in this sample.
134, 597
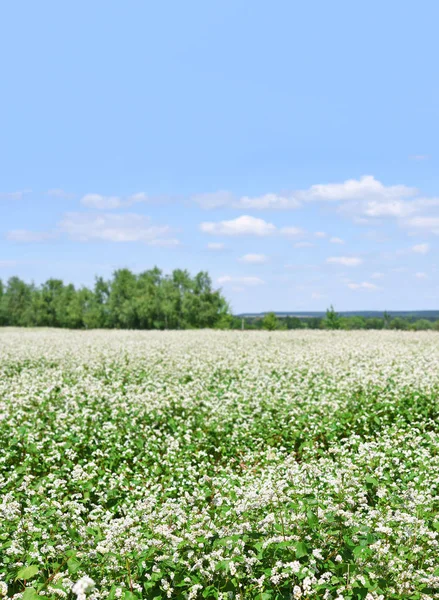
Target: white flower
83, 586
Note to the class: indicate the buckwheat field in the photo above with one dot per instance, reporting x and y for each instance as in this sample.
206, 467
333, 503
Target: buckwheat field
219, 465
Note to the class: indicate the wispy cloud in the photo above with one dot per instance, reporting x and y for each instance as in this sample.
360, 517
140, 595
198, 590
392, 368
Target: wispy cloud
269, 201
367, 188
86, 227
427, 224
26, 236
346, 261
100, 202
215, 246
421, 248
303, 245
128, 227
292, 232
254, 259
364, 285
245, 225
336, 240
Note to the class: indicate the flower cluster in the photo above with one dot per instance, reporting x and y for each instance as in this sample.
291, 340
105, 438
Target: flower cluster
202, 464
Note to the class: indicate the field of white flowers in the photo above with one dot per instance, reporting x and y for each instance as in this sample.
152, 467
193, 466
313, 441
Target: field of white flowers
219, 465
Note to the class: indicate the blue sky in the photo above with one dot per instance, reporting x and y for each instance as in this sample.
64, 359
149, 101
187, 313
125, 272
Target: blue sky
289, 148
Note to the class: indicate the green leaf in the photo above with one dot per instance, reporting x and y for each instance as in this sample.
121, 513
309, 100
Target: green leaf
30, 594
27, 572
73, 565
312, 519
372, 481
301, 549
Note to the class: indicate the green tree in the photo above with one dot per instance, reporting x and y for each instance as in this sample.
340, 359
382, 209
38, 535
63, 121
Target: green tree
293, 323
399, 323
17, 302
354, 322
149, 300
332, 319
422, 325
374, 323
121, 303
3, 320
270, 322
386, 319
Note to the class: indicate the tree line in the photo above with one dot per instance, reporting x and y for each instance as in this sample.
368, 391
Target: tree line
153, 300
149, 300
332, 320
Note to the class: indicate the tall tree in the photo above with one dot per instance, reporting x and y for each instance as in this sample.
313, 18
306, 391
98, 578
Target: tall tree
332, 320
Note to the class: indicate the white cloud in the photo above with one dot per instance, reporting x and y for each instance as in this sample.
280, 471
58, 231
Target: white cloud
100, 202
269, 201
317, 295
138, 197
360, 198
247, 281
427, 224
346, 261
420, 275
377, 275
26, 236
320, 234
336, 240
254, 259
292, 231
214, 199
303, 245
128, 227
264, 202
394, 208
357, 189
244, 225
421, 248
215, 246
364, 285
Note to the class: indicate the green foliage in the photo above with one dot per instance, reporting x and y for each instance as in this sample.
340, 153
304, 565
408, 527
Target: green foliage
332, 320
354, 322
422, 325
399, 323
27, 572
270, 322
149, 300
211, 464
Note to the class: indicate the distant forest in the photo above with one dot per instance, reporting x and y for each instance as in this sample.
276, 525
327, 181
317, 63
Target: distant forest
150, 300
333, 320
153, 300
